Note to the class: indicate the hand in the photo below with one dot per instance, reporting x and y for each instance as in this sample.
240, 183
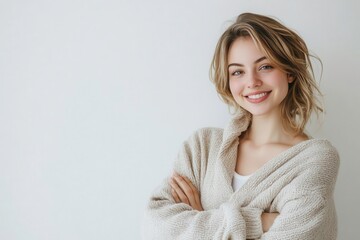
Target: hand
183, 191
267, 220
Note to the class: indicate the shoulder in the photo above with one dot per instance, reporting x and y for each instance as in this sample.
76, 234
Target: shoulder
322, 151
319, 164
209, 132
313, 170
206, 136
198, 150
317, 156
204, 140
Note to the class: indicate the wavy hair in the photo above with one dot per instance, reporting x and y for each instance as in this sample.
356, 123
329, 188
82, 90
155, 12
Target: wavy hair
285, 49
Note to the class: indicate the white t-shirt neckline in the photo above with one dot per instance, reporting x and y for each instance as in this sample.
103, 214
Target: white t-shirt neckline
239, 180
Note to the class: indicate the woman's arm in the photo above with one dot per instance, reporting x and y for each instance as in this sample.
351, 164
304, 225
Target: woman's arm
306, 205
183, 191
166, 219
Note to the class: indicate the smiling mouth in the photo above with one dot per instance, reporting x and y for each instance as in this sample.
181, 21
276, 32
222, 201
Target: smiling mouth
258, 95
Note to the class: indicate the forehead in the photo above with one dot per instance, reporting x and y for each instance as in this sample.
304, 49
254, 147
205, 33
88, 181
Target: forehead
244, 50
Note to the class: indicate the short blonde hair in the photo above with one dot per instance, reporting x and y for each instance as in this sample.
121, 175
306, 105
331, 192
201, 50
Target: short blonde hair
284, 48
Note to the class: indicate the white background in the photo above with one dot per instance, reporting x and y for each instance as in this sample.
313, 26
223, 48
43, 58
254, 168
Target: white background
97, 96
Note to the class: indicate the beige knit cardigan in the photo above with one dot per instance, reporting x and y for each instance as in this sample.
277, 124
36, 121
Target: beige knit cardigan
298, 183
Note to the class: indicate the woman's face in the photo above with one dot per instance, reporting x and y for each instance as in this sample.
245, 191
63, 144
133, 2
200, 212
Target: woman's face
255, 83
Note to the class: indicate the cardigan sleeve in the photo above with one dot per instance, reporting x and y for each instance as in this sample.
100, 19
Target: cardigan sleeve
165, 219
306, 205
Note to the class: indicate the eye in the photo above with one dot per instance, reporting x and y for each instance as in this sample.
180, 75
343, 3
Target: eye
265, 67
237, 73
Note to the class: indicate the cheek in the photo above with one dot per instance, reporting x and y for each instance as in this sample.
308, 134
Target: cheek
235, 88
283, 87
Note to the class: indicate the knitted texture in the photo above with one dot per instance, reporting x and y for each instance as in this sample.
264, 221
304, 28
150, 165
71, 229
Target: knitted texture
298, 183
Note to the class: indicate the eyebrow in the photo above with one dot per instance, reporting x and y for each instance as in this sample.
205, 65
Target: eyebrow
241, 65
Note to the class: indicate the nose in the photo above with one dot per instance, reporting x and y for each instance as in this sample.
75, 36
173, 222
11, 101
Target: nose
253, 80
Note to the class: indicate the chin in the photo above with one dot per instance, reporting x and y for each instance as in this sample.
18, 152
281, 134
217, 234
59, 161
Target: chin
258, 111
264, 112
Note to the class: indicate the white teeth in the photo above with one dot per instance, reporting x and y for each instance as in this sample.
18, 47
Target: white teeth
257, 96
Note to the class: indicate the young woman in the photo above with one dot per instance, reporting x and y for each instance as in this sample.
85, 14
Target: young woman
261, 177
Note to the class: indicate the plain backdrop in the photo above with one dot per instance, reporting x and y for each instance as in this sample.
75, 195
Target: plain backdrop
97, 96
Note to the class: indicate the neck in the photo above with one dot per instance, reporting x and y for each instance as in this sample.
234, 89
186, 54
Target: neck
267, 129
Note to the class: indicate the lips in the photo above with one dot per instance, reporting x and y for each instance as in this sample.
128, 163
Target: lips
257, 97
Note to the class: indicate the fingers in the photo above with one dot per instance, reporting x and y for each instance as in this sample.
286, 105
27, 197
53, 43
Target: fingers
195, 194
187, 188
175, 196
267, 220
184, 191
179, 192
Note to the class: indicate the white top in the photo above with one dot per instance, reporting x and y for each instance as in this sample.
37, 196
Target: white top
239, 180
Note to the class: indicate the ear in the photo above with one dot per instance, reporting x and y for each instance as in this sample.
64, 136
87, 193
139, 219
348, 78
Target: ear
290, 77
